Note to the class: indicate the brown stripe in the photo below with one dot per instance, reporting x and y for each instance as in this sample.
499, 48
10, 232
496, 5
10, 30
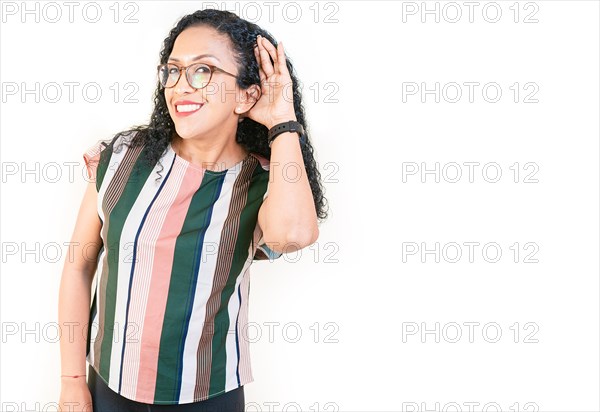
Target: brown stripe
222, 269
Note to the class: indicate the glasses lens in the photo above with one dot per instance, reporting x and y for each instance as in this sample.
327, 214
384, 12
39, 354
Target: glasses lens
198, 75
168, 75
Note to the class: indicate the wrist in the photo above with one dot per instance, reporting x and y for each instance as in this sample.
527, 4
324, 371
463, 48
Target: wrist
73, 377
281, 119
286, 128
73, 382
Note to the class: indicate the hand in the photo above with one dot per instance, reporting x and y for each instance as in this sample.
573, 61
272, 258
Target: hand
75, 397
275, 104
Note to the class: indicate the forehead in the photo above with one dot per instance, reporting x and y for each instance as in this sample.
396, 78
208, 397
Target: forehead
195, 41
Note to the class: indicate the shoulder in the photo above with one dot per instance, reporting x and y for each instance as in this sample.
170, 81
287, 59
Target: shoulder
97, 155
117, 141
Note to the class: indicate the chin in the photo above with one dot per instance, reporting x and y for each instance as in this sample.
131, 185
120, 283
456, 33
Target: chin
187, 132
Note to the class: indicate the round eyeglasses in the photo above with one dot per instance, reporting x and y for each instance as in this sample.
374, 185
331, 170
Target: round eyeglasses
198, 75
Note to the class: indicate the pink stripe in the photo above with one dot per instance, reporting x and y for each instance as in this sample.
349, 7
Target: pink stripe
244, 359
159, 287
142, 277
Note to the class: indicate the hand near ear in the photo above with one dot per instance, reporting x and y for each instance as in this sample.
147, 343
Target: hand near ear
275, 104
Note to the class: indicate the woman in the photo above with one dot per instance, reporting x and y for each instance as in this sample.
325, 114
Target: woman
179, 210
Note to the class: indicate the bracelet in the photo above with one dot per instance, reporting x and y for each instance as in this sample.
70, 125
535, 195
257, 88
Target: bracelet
289, 126
72, 376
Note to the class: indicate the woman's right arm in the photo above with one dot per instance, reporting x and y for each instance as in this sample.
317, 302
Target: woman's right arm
74, 303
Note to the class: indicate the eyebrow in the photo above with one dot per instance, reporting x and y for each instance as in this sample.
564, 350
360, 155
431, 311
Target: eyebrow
198, 57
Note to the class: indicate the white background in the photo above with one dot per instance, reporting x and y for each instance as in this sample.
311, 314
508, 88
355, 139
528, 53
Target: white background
358, 286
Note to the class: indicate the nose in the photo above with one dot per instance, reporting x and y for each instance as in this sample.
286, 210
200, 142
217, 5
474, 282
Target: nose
182, 85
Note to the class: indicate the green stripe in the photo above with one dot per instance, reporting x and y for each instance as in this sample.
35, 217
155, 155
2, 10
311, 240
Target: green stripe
182, 285
117, 217
247, 223
102, 166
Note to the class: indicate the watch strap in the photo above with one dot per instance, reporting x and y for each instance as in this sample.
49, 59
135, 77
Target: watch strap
289, 126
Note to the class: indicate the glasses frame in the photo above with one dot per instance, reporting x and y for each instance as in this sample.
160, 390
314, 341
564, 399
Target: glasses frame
213, 70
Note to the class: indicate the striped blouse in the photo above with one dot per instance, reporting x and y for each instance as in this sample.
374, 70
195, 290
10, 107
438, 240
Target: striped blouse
170, 305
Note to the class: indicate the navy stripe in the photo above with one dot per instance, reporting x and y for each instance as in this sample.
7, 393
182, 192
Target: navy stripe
237, 342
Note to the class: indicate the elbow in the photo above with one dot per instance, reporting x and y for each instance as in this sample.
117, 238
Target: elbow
314, 235
293, 239
303, 237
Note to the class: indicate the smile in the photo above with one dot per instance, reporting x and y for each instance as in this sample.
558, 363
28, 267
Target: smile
187, 108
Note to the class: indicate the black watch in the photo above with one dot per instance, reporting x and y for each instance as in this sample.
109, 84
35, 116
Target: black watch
289, 126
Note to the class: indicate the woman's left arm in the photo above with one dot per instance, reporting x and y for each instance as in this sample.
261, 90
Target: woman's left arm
287, 217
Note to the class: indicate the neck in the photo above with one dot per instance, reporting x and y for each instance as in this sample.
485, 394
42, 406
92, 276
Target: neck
210, 154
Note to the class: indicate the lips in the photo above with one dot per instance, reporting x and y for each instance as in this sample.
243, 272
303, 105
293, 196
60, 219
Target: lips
187, 107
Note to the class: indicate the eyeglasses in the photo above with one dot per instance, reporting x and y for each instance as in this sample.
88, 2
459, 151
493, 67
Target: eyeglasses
198, 75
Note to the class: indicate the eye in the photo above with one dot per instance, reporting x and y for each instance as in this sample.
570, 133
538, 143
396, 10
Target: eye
202, 69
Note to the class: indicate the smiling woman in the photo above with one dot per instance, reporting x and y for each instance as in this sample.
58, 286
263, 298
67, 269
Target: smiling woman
178, 211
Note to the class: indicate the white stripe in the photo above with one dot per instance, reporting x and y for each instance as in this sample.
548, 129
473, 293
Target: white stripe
243, 334
230, 343
94, 325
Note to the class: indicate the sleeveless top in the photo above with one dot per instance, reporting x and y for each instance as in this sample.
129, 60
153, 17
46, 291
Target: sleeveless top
168, 320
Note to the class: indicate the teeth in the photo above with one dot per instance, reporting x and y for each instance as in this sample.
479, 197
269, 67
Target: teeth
188, 107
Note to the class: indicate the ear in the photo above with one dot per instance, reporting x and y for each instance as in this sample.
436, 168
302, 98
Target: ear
252, 95
249, 97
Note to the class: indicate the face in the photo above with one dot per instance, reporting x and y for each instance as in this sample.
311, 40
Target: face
209, 112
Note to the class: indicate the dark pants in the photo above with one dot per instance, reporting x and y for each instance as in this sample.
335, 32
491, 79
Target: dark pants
104, 399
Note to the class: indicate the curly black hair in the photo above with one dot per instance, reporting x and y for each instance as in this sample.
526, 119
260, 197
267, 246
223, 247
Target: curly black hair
250, 134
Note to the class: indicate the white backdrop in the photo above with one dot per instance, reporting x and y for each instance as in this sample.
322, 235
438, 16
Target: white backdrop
458, 143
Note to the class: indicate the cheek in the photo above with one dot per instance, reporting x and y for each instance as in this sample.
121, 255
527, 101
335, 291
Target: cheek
168, 97
168, 93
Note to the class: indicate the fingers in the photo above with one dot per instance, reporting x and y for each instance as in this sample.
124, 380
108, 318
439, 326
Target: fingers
261, 72
264, 61
265, 51
281, 58
264, 56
